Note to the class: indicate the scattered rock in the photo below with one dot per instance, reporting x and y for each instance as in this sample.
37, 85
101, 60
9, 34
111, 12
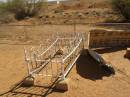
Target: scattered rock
127, 55
58, 11
41, 16
28, 82
86, 13
47, 16
62, 85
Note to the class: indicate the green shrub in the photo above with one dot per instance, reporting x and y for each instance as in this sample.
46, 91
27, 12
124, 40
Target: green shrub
22, 8
124, 7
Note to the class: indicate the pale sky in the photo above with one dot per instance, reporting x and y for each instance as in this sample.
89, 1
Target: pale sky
48, 0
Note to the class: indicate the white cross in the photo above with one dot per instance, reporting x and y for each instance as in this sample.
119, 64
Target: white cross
58, 2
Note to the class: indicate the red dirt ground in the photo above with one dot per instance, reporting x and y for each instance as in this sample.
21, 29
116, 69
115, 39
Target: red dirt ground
87, 79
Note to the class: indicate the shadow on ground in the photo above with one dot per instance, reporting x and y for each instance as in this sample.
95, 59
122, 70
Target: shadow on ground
114, 26
88, 68
20, 90
109, 50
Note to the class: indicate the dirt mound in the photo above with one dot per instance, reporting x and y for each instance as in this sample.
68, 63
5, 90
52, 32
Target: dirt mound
82, 11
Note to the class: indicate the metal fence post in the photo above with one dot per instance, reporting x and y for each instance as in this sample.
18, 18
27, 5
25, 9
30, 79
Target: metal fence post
62, 70
27, 62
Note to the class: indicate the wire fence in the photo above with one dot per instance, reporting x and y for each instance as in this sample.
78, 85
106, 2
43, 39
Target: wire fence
56, 60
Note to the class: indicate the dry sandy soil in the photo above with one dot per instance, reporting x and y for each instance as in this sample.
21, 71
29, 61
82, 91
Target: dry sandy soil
87, 79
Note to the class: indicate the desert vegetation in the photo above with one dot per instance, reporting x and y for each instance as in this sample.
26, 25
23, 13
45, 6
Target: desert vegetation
124, 7
21, 8
85, 11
